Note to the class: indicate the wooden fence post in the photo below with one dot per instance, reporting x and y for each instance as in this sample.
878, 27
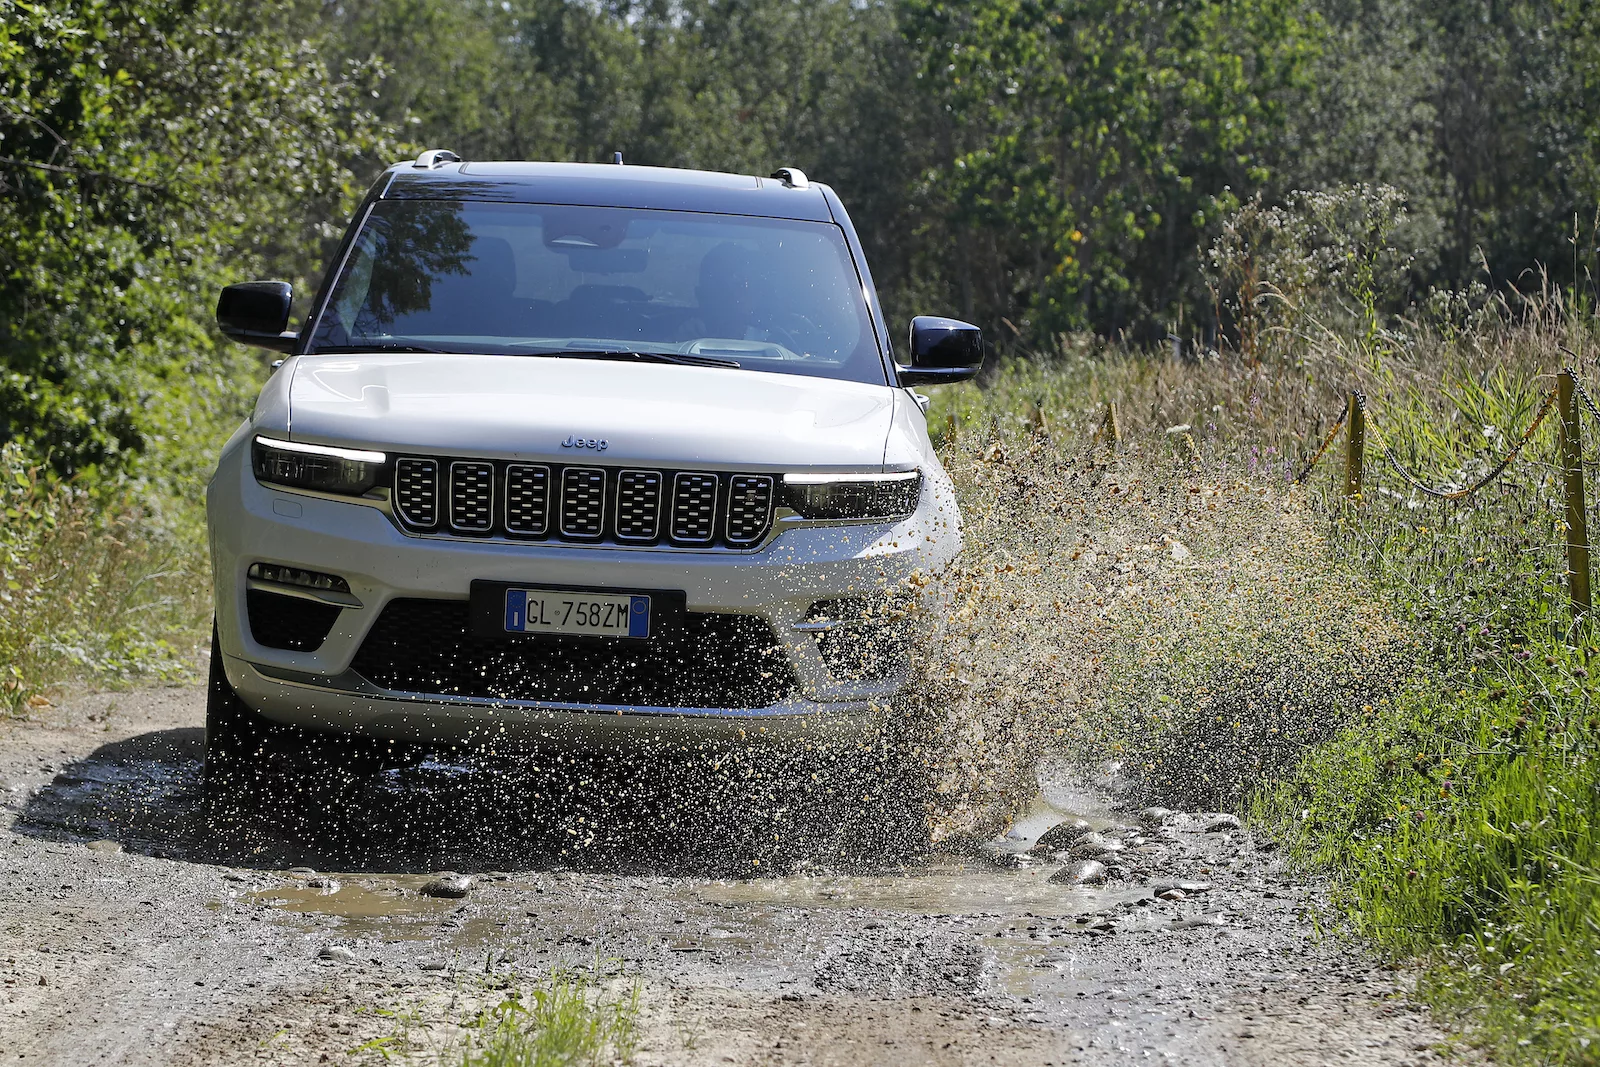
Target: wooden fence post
1355, 446
1577, 515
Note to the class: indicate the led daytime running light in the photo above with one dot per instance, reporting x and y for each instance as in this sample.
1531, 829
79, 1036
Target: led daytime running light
319, 468
353, 455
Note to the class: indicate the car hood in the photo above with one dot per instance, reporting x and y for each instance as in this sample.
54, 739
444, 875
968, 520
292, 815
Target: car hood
526, 407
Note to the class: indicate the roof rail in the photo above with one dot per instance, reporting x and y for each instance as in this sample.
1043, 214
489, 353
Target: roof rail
793, 177
434, 158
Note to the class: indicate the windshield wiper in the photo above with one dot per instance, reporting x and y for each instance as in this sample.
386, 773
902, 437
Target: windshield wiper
376, 346
680, 358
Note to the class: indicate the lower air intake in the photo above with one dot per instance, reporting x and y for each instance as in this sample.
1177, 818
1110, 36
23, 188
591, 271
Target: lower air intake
288, 622
699, 661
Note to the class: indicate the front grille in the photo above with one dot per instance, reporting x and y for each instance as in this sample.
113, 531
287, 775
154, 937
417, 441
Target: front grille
696, 660
583, 503
492, 498
472, 497
749, 508
638, 505
288, 622
416, 491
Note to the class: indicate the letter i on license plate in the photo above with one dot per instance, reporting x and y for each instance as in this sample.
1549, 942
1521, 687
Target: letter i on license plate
572, 611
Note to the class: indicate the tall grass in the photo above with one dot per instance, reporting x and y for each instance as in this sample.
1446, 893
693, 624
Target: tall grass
100, 585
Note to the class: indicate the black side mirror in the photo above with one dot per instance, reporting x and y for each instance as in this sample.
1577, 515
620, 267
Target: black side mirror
942, 350
257, 313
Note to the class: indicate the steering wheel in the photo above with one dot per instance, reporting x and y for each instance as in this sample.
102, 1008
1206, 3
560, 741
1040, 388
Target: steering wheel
793, 330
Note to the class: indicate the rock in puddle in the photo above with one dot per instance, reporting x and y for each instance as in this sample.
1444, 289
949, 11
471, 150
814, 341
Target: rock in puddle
104, 846
1172, 894
304, 872
337, 953
432, 965
1061, 836
1155, 816
1188, 888
1094, 846
324, 883
447, 884
1081, 872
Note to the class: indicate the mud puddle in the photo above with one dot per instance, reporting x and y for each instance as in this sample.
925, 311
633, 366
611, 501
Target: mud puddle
299, 930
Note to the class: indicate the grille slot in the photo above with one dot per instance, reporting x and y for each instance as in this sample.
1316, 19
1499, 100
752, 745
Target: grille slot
749, 508
527, 499
416, 492
699, 660
694, 508
638, 505
583, 503
472, 496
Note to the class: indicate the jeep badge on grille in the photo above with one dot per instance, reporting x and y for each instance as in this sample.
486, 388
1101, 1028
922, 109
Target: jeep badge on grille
599, 445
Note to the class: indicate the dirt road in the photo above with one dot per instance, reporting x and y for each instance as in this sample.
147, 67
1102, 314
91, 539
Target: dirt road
137, 928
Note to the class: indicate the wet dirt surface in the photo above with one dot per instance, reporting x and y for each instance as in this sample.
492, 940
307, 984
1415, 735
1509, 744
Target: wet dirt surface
139, 925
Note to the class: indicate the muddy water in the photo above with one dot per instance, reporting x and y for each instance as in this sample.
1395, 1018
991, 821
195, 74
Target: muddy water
207, 938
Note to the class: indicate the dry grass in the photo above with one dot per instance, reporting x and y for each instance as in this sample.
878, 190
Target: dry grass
92, 586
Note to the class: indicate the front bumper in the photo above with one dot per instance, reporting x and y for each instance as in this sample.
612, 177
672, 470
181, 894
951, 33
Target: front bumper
779, 583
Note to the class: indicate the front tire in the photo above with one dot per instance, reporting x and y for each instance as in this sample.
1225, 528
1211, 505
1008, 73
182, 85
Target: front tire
241, 744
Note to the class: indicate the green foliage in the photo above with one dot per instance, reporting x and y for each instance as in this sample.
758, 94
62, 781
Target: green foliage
150, 150
1465, 819
1091, 145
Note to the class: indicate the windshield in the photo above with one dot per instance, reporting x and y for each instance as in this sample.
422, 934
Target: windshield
539, 280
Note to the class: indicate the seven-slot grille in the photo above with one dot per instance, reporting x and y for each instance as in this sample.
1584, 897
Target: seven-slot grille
589, 504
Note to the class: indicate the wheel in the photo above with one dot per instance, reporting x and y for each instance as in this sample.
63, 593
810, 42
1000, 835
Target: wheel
241, 744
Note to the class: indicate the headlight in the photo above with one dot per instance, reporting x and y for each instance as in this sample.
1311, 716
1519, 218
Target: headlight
318, 467
853, 496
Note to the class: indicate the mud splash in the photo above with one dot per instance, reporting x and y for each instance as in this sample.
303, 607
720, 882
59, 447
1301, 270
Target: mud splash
1129, 606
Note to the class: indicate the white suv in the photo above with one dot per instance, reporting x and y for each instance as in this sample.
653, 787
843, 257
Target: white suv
569, 452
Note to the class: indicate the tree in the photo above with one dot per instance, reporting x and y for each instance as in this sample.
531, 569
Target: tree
150, 150
1090, 144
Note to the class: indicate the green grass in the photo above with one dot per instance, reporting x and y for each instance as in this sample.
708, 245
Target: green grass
561, 1023
565, 1020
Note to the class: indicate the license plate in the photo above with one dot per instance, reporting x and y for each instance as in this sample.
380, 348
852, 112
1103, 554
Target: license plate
573, 611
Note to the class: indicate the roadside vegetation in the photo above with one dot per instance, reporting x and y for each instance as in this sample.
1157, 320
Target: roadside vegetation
1396, 688
1161, 209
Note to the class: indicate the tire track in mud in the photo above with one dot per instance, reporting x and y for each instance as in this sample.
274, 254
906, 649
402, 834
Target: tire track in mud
150, 955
